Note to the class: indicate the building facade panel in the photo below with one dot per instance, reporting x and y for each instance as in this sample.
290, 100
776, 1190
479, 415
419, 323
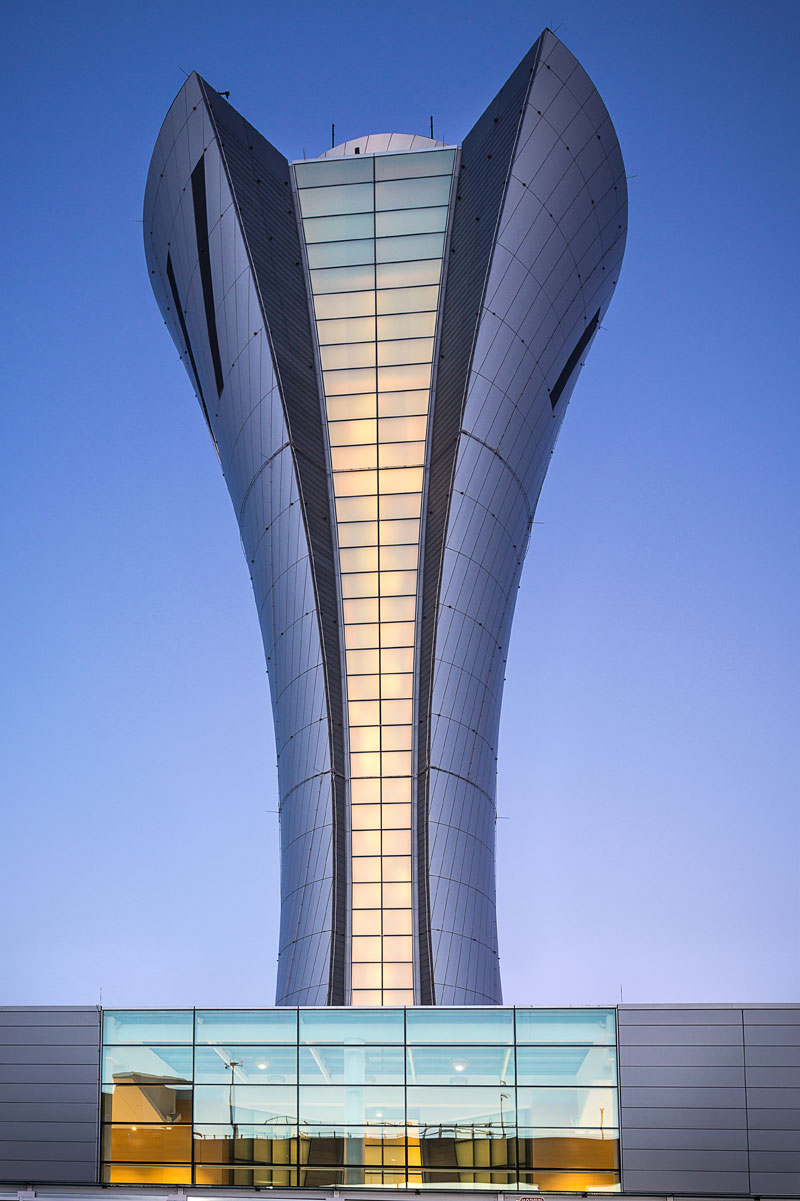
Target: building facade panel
49, 1081
535, 305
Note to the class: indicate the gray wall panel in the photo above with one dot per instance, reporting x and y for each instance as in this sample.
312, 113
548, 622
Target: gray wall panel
49, 1082
725, 1055
691, 1138
666, 1118
687, 1159
681, 1036
776, 1184
683, 1076
14, 1074
680, 1115
686, 1182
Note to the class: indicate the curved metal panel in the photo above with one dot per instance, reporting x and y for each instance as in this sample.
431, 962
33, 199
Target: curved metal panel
198, 255
556, 252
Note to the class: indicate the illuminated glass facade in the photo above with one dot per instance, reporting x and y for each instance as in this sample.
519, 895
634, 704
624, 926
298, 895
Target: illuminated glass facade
384, 341
374, 229
455, 1098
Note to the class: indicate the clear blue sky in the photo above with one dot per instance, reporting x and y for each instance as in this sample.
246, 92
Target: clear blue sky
649, 748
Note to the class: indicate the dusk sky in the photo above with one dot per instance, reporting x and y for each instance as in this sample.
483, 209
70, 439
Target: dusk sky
648, 791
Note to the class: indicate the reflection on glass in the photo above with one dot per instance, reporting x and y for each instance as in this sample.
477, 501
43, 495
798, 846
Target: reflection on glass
271, 1105
351, 1065
565, 1026
360, 1105
573, 1148
462, 1106
135, 1143
567, 1107
374, 231
351, 1026
147, 1026
461, 1065
246, 1025
129, 1065
245, 1065
440, 1025
575, 1066
243, 1144
147, 1100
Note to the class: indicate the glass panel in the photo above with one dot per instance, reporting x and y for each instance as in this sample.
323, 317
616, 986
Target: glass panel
350, 433
411, 193
344, 304
151, 1144
147, 1101
398, 404
406, 325
582, 1149
343, 279
245, 1065
360, 1104
334, 229
401, 454
273, 1105
361, 636
584, 1066
408, 299
345, 1144
147, 1026
400, 378
422, 162
402, 275
405, 350
339, 383
565, 1026
353, 458
356, 508
359, 533
471, 1147
347, 354
411, 221
123, 1065
340, 254
396, 816
361, 611
400, 506
381, 1026
567, 1106
438, 1025
570, 1182
246, 1177
413, 246
329, 171
352, 1064
346, 407
353, 329
123, 1173
246, 1026
461, 1065
260, 1144
488, 1107
345, 198
402, 429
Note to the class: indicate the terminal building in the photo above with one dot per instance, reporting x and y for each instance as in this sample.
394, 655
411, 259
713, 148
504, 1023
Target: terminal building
383, 342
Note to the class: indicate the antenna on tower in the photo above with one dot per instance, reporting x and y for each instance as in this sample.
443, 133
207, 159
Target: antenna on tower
333, 134
431, 128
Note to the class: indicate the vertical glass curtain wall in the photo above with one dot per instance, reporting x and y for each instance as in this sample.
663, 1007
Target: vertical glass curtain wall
455, 1098
374, 230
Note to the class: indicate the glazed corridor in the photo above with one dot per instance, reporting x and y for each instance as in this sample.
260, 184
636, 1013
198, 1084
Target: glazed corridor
498, 1098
